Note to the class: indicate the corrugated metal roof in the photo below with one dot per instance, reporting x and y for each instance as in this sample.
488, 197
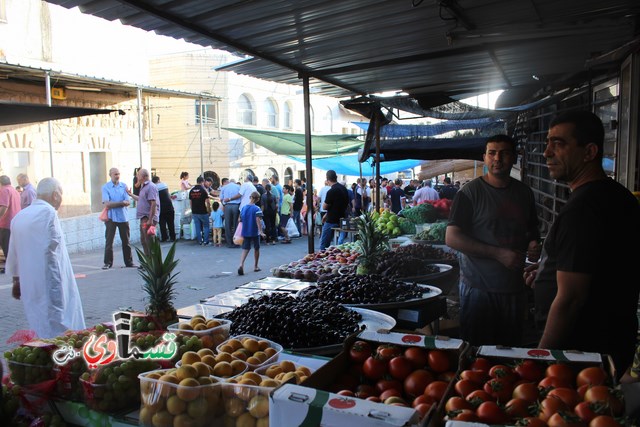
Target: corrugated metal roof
349, 47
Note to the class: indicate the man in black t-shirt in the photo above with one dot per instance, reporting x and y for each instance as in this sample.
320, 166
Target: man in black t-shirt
259, 189
298, 199
200, 207
448, 191
335, 204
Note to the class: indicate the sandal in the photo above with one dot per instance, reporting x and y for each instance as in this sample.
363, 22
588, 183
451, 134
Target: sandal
286, 241
256, 269
240, 271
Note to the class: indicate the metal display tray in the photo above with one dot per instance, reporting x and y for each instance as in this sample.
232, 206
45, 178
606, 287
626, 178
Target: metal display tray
445, 269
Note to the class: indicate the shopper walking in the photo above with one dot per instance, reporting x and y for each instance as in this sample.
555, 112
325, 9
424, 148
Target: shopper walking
200, 207
115, 197
147, 209
251, 219
167, 212
229, 197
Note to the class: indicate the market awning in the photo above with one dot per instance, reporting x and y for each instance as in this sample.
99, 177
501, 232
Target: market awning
13, 113
349, 165
292, 144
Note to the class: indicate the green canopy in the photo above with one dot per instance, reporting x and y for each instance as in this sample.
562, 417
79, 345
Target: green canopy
292, 144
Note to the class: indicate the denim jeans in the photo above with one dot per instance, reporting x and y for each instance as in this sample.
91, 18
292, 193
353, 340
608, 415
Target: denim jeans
327, 235
201, 222
296, 221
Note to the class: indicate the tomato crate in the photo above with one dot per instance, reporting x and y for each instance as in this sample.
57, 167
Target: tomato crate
517, 378
337, 375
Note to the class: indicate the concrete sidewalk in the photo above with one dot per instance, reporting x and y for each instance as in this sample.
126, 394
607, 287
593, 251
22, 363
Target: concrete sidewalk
204, 271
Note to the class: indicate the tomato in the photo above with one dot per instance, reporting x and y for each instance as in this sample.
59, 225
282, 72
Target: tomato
359, 351
490, 413
562, 371
503, 372
400, 367
346, 393
374, 368
388, 351
395, 400
479, 396
531, 422
464, 387
593, 375
422, 409
585, 411
480, 364
463, 415
604, 421
530, 370
517, 408
603, 395
569, 396
436, 389
417, 356
384, 384
477, 377
423, 398
456, 403
374, 399
365, 390
550, 406
548, 383
526, 391
417, 381
438, 361
390, 392
582, 390
565, 419
499, 388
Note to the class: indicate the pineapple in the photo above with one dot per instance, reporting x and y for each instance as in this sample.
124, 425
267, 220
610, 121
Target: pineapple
159, 281
373, 244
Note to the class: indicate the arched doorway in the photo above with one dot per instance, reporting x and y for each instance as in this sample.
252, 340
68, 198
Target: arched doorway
244, 174
288, 176
271, 172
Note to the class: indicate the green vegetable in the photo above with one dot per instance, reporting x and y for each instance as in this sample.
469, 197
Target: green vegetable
420, 214
437, 231
407, 226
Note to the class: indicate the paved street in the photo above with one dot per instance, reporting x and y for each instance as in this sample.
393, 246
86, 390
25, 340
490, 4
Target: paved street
204, 272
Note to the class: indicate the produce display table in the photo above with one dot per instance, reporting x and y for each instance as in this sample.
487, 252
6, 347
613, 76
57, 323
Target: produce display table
351, 234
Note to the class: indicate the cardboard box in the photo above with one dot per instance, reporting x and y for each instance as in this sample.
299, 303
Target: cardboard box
294, 405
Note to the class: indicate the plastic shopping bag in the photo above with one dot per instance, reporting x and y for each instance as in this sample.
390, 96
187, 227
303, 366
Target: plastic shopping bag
104, 215
292, 230
237, 236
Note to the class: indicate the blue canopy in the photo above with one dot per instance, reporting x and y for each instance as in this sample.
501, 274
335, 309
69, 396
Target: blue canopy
349, 165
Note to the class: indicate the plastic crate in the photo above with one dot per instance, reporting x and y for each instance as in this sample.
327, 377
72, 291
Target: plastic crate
265, 344
209, 338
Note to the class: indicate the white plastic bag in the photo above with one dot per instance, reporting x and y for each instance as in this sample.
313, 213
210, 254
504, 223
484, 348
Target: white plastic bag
292, 230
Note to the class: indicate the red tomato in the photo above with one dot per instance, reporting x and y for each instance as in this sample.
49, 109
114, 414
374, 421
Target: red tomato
463, 415
565, 419
499, 388
346, 393
417, 356
479, 396
456, 403
438, 361
530, 370
585, 411
374, 368
490, 413
390, 392
416, 382
550, 406
374, 399
569, 396
548, 383
422, 409
517, 408
388, 351
365, 390
503, 372
400, 367
436, 389
593, 375
582, 390
464, 387
603, 395
526, 391
562, 371
384, 384
480, 364
423, 398
478, 377
604, 421
359, 351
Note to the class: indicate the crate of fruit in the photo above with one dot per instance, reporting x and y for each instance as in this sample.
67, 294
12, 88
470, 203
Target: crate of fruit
205, 362
198, 333
255, 351
31, 363
512, 386
246, 399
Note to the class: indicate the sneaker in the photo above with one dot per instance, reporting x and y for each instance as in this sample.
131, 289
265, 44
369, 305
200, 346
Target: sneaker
106, 266
205, 244
131, 266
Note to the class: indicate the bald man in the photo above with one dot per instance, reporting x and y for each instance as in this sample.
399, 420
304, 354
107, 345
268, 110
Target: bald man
115, 198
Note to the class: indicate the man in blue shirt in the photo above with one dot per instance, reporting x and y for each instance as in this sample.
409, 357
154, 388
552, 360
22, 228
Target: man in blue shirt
230, 197
116, 200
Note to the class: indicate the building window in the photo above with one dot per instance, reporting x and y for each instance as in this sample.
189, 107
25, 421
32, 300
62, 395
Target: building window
246, 112
288, 120
288, 176
208, 112
271, 113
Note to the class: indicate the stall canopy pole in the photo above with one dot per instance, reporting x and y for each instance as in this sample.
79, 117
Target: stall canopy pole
201, 112
378, 120
140, 136
48, 87
308, 165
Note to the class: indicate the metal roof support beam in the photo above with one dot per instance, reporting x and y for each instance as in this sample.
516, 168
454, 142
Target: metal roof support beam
308, 164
